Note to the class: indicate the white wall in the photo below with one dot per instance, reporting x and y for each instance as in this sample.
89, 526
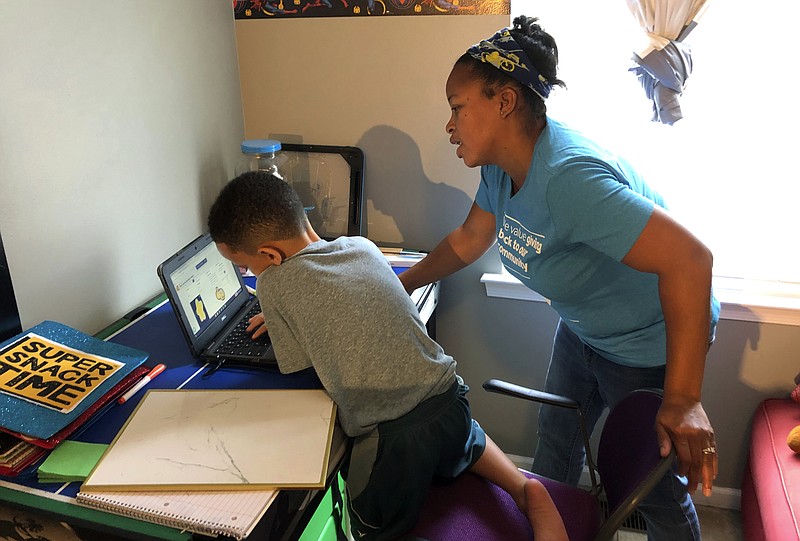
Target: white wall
119, 121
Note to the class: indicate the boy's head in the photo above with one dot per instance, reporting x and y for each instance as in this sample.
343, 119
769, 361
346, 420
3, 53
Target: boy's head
253, 212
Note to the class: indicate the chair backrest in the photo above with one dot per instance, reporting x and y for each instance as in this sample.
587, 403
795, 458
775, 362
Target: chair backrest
628, 456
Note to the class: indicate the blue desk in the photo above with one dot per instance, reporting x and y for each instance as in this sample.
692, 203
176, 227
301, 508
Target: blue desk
157, 332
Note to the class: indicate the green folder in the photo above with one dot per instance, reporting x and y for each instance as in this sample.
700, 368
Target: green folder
70, 461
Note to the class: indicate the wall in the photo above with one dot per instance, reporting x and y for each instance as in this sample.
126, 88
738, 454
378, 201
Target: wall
378, 84
119, 123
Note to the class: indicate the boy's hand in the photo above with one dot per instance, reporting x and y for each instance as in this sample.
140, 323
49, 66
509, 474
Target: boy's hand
257, 327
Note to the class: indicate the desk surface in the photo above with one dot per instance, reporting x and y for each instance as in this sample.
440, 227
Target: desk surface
158, 333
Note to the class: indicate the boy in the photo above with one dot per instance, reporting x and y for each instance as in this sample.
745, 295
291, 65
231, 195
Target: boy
339, 308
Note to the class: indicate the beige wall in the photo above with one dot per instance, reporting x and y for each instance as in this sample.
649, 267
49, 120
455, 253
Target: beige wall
119, 121
376, 83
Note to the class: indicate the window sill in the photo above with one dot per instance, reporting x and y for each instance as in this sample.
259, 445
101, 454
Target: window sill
741, 300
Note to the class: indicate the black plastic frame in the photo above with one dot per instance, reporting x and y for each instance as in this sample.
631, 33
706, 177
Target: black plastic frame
10, 324
355, 159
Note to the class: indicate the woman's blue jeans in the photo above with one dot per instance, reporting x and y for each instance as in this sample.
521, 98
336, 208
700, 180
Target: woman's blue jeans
580, 373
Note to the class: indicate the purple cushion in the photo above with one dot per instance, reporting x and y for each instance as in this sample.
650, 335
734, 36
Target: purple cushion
473, 509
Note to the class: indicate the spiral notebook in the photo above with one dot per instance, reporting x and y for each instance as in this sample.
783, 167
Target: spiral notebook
230, 513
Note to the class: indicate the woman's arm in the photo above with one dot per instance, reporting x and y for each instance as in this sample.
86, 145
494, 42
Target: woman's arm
683, 265
462, 246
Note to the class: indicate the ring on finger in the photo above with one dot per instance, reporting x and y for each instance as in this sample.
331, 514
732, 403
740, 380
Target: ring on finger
710, 450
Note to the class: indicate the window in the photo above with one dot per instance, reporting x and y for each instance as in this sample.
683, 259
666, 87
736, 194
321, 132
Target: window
724, 168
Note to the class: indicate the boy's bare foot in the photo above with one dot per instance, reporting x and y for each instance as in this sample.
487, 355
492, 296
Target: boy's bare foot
542, 513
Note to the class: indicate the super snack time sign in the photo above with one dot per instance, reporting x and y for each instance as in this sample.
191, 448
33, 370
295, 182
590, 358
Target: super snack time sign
40, 370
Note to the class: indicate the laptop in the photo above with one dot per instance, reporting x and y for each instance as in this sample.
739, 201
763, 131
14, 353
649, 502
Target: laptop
208, 293
213, 306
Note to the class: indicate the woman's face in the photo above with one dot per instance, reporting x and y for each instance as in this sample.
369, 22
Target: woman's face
473, 118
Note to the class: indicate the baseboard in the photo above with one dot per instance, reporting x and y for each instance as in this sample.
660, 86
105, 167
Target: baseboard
721, 497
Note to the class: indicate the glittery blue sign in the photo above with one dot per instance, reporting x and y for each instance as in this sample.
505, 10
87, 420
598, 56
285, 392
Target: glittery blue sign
52, 373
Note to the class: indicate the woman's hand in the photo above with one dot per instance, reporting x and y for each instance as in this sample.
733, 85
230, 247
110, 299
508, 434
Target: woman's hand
257, 326
685, 426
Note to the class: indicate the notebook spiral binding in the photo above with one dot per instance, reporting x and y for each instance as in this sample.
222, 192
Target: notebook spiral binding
165, 518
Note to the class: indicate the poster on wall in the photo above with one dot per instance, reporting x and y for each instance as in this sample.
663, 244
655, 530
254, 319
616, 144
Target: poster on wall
273, 9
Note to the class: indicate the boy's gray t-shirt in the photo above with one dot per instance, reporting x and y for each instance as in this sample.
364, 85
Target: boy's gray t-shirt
339, 307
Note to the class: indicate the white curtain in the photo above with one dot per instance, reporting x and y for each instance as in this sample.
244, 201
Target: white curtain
666, 62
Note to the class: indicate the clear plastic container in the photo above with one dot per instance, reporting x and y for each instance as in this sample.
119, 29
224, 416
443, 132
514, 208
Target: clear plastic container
259, 155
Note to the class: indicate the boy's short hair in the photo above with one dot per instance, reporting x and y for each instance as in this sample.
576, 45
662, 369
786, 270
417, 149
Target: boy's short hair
254, 208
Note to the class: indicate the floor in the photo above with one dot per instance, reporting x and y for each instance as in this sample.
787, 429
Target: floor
716, 525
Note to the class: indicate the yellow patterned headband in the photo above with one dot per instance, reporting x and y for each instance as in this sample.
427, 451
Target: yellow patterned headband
504, 53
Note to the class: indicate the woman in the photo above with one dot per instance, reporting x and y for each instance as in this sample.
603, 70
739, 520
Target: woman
577, 224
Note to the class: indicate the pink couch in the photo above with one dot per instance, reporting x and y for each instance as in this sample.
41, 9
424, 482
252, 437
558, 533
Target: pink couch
771, 484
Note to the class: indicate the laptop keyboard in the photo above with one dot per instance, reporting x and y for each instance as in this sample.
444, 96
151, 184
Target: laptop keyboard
240, 342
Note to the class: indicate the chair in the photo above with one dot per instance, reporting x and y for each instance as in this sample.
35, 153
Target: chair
628, 463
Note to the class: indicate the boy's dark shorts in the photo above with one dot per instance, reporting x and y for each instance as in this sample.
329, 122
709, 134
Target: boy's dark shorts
392, 467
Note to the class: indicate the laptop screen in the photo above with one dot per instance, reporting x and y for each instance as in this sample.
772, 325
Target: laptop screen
204, 288
206, 283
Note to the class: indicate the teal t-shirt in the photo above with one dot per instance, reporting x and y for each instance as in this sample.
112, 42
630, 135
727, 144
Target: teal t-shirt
580, 210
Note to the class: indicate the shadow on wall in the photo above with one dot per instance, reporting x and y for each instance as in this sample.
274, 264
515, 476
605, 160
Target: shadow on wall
766, 353
415, 212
